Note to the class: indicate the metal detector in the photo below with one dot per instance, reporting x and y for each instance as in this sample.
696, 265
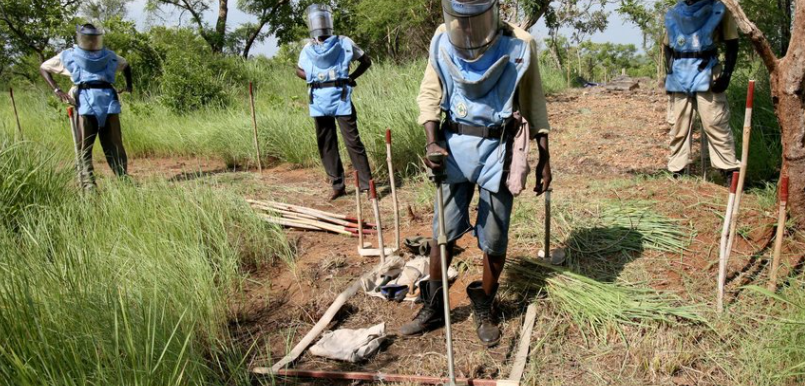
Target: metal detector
438, 176
556, 256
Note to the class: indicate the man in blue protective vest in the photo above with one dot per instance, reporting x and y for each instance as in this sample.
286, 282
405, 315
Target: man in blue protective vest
92, 69
696, 81
324, 65
480, 72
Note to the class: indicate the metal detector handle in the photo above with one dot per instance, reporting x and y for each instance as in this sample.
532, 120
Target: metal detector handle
436, 175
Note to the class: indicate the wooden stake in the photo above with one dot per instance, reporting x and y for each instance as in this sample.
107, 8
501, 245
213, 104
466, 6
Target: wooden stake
778, 241
254, 124
305, 210
379, 377
16, 115
750, 97
359, 210
722, 251
521, 356
376, 206
393, 191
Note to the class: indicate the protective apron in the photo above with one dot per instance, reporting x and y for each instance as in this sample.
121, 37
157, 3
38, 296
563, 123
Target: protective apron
691, 30
479, 93
327, 68
93, 72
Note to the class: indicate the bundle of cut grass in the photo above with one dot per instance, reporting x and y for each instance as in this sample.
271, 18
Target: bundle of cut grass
597, 304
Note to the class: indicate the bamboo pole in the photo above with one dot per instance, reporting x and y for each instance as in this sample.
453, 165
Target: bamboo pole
722, 251
747, 131
254, 124
317, 329
393, 191
521, 356
380, 377
376, 206
778, 241
16, 114
359, 210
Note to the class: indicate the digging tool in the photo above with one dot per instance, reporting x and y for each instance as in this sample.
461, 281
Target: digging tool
722, 253
555, 257
393, 192
376, 206
254, 124
359, 211
74, 131
778, 241
438, 176
747, 131
16, 115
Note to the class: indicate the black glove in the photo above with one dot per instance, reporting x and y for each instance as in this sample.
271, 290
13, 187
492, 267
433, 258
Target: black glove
351, 82
722, 83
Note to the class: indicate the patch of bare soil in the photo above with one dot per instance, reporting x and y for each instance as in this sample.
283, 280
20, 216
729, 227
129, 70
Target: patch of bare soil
597, 138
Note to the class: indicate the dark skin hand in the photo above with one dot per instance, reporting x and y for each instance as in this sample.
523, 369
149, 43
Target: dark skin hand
731, 58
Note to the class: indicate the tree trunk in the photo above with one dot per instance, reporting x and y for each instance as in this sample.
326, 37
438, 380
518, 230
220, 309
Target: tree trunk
788, 94
220, 27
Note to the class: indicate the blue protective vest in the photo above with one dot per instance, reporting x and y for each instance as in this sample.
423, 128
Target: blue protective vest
479, 93
328, 63
691, 30
93, 67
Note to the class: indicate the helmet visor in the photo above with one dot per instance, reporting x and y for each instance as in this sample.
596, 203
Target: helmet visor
471, 24
319, 20
88, 37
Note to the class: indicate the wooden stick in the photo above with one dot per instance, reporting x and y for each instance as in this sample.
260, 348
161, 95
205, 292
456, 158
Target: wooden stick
393, 191
750, 98
254, 124
359, 209
16, 115
269, 208
380, 377
722, 251
306, 210
521, 356
376, 206
317, 329
71, 114
778, 241
306, 224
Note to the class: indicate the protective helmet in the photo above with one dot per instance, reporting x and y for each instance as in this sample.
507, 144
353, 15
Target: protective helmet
472, 25
319, 20
88, 37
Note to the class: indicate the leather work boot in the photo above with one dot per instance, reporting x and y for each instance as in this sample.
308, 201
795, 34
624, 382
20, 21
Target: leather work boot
431, 315
487, 329
338, 193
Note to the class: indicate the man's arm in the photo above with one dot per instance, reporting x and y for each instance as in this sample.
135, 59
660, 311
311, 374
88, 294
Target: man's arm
301, 73
534, 108
364, 62
731, 59
53, 64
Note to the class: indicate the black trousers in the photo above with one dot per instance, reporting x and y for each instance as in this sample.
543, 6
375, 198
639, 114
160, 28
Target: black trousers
111, 139
328, 148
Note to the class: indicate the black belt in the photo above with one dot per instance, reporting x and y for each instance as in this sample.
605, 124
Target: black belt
476, 131
101, 86
709, 54
342, 83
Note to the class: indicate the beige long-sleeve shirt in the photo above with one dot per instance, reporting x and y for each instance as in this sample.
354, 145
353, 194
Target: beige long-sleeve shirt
531, 101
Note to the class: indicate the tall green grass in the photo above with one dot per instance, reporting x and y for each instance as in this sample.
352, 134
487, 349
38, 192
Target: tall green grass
129, 287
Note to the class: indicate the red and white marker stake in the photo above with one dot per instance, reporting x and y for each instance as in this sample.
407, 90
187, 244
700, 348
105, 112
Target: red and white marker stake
376, 207
778, 241
76, 147
393, 191
359, 210
254, 125
750, 98
722, 251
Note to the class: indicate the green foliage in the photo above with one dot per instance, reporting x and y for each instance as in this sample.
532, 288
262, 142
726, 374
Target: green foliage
190, 82
396, 29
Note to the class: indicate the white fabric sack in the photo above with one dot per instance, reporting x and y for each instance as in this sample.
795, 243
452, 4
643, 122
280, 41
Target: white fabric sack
350, 345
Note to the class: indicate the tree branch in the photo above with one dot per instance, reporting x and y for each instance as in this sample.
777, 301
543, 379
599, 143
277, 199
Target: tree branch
759, 41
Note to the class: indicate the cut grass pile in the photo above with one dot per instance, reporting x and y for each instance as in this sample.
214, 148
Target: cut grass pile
127, 287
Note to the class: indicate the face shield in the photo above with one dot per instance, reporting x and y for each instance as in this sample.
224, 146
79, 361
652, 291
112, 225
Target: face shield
319, 20
472, 25
89, 38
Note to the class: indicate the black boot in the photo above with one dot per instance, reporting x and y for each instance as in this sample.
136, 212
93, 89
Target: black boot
485, 323
431, 315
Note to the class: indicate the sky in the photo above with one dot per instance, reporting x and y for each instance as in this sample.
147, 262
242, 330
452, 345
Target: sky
617, 31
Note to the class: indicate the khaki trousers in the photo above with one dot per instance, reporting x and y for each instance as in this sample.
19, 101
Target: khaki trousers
111, 139
715, 114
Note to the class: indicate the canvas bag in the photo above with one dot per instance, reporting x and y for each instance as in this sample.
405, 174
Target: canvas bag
518, 165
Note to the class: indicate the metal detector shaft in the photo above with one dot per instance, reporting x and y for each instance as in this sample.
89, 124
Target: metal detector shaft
548, 225
442, 240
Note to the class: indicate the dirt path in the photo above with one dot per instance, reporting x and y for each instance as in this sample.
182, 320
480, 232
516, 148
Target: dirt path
603, 148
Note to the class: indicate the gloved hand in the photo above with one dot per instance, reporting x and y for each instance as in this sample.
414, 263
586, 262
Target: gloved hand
544, 177
351, 82
721, 84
